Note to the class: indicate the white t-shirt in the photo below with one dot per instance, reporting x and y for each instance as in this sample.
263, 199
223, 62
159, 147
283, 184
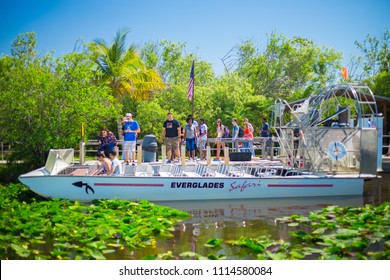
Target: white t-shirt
117, 167
203, 129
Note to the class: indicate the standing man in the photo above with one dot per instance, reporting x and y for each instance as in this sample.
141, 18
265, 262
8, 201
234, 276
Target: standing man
130, 129
202, 138
235, 132
171, 132
264, 132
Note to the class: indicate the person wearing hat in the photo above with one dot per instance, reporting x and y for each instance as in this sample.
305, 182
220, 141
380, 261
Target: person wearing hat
130, 129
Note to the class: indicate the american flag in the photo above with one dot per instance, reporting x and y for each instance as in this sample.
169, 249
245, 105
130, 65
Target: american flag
190, 92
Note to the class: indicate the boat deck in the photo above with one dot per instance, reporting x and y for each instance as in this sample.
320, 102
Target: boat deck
256, 168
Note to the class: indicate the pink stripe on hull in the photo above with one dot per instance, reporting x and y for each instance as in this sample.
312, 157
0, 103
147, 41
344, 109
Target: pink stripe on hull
300, 185
128, 185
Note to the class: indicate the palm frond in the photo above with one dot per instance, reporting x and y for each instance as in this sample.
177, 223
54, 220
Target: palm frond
123, 69
118, 47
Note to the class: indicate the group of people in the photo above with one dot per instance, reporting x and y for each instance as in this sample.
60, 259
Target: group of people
194, 135
108, 146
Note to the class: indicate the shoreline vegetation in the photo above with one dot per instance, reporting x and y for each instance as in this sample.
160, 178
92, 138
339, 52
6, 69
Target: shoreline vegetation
51, 98
32, 227
46, 99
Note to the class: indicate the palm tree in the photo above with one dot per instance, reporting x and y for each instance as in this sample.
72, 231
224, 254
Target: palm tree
123, 69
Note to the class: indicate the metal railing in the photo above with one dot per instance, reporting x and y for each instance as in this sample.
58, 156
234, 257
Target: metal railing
258, 145
5, 149
234, 145
386, 143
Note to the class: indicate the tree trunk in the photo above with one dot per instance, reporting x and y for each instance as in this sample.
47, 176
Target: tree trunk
120, 135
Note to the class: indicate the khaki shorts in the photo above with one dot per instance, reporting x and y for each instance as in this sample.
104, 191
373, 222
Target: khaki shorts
172, 143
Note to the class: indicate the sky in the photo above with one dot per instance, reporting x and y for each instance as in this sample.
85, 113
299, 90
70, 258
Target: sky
210, 28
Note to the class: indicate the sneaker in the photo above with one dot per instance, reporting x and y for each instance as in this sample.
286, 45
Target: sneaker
133, 162
168, 161
195, 158
216, 159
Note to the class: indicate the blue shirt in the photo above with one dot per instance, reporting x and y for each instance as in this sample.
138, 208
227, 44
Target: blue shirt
132, 125
236, 128
265, 130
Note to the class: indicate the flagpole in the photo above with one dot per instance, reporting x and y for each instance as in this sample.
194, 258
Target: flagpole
191, 86
193, 97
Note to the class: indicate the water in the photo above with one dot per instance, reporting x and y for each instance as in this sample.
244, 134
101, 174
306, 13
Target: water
250, 218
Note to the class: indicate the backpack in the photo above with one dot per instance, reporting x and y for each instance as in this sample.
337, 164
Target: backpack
226, 132
240, 132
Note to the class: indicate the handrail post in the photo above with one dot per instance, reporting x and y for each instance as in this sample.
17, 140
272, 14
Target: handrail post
139, 154
2, 151
226, 155
208, 154
263, 152
82, 153
163, 153
183, 154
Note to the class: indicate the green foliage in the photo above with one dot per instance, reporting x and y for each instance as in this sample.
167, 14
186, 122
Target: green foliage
214, 242
184, 256
44, 101
227, 97
376, 54
174, 63
373, 66
35, 228
23, 47
381, 84
232, 96
151, 116
287, 66
123, 69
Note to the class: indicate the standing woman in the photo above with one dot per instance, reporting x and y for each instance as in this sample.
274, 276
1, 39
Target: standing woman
220, 135
107, 142
189, 136
248, 135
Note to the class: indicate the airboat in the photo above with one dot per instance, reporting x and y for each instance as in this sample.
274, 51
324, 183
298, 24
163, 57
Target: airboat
325, 145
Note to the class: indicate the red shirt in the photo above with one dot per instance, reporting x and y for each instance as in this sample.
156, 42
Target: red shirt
248, 134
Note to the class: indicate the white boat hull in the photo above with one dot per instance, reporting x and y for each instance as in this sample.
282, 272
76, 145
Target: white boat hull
88, 188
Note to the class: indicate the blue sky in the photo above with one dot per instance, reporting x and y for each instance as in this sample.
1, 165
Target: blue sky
210, 28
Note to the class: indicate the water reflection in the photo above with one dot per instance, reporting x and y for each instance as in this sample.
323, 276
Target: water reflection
255, 209
231, 219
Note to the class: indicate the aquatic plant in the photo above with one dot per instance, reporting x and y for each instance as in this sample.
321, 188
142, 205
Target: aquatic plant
330, 233
35, 228
343, 233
